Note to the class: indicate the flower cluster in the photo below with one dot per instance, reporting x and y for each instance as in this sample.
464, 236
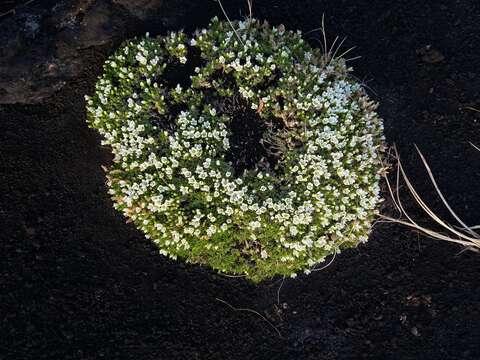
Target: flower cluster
170, 175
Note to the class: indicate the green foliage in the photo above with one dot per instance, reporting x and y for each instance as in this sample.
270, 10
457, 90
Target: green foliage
170, 175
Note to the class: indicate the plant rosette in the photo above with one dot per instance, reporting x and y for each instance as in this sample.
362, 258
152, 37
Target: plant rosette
247, 151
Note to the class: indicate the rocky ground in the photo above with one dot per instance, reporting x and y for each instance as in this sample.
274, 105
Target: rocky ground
78, 283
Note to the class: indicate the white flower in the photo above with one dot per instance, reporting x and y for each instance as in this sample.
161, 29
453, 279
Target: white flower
141, 59
255, 224
293, 230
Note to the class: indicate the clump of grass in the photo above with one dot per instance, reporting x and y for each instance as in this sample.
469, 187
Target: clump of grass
461, 233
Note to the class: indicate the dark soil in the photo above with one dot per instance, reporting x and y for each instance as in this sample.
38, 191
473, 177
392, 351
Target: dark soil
78, 283
250, 145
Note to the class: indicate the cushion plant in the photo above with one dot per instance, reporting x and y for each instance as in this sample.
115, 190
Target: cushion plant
246, 150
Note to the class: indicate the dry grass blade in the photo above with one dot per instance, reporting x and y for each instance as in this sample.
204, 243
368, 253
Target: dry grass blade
353, 58
230, 23
432, 179
278, 291
329, 263
475, 146
334, 55
324, 44
253, 312
250, 10
330, 54
324, 37
463, 235
471, 108
13, 10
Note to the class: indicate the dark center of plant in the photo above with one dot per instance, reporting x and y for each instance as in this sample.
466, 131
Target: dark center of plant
251, 137
177, 73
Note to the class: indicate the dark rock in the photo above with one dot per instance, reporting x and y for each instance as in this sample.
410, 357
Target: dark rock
34, 61
40, 48
140, 8
99, 26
